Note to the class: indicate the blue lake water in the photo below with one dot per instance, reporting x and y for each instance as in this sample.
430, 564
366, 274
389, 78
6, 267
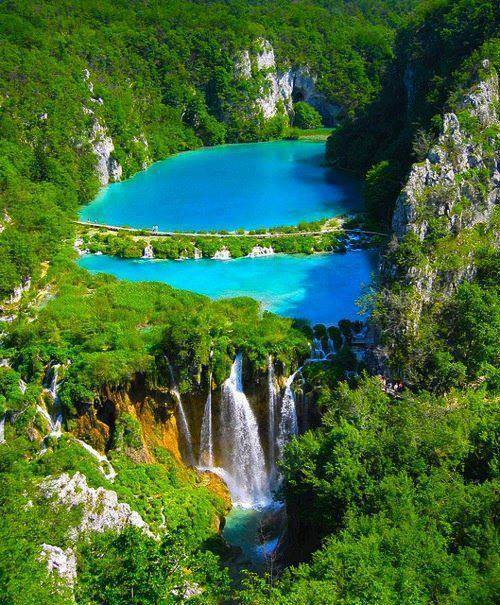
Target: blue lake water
322, 288
229, 187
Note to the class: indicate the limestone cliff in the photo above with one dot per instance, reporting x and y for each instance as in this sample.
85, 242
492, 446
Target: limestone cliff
447, 197
438, 187
445, 218
282, 87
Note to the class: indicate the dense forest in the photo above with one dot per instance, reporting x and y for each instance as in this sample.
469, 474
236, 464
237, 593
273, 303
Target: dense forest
392, 497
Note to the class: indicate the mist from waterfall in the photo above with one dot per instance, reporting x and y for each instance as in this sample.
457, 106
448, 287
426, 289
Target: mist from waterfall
288, 424
183, 423
206, 457
242, 454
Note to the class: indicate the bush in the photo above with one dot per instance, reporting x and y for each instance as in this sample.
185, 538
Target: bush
305, 116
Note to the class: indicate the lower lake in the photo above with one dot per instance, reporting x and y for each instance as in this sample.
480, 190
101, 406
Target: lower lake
322, 288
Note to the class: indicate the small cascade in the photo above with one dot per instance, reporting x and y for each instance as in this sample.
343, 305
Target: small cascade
317, 352
242, 453
54, 421
222, 254
183, 422
110, 474
261, 251
148, 252
2, 428
54, 385
43, 412
271, 428
288, 424
206, 457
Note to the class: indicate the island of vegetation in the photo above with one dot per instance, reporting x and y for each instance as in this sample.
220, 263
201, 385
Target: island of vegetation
326, 235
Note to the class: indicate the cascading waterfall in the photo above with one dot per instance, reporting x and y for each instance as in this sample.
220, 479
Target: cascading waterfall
242, 454
272, 397
183, 423
2, 428
288, 424
206, 457
54, 385
110, 474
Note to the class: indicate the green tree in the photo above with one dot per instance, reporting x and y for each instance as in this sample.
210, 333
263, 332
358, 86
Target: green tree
306, 116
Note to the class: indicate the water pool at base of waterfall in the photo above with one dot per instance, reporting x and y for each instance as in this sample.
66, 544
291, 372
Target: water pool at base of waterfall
254, 535
322, 288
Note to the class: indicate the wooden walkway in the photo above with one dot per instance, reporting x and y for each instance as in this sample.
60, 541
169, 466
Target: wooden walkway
268, 234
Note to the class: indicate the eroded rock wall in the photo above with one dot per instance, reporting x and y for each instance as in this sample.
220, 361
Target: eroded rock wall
282, 87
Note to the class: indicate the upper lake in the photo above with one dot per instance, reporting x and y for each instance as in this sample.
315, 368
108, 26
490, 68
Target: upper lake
230, 187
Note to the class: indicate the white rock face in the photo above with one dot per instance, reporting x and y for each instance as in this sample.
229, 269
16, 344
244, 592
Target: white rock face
62, 562
101, 509
107, 168
197, 253
436, 180
295, 83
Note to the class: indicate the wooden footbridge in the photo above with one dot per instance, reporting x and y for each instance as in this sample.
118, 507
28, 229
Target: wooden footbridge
267, 234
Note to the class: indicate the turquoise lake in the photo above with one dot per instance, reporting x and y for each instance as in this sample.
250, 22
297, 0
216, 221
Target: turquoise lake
229, 187
322, 288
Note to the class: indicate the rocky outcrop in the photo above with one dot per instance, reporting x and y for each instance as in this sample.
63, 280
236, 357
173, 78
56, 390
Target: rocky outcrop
107, 167
281, 88
101, 510
62, 562
437, 187
455, 189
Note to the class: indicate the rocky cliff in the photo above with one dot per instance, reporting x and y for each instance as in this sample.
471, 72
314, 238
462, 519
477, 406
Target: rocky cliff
281, 87
455, 189
446, 186
444, 220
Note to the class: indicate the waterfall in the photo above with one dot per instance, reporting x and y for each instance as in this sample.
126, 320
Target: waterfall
46, 415
206, 457
242, 453
288, 425
53, 383
271, 419
317, 351
2, 428
111, 473
183, 423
